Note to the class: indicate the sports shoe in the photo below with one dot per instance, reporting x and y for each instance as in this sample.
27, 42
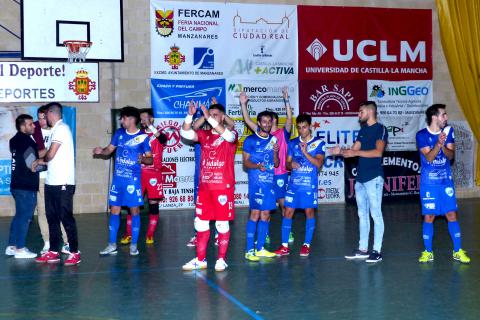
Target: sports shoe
291, 239
133, 250
267, 239
111, 249
149, 240
66, 248
195, 264
357, 254
374, 257
10, 250
250, 256
282, 251
24, 253
49, 257
461, 255
46, 247
305, 250
192, 242
73, 259
426, 257
220, 265
265, 254
126, 239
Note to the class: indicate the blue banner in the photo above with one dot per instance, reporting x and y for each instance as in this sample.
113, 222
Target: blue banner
170, 98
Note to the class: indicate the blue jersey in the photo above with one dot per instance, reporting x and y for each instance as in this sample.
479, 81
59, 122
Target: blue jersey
129, 147
438, 171
260, 150
305, 178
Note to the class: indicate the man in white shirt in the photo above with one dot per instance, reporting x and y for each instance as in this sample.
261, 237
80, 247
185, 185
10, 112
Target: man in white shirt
60, 188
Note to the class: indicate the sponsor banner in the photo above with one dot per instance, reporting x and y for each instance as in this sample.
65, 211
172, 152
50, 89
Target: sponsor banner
48, 81
401, 108
324, 98
341, 130
7, 131
401, 176
364, 43
241, 183
462, 167
262, 41
188, 39
170, 98
330, 181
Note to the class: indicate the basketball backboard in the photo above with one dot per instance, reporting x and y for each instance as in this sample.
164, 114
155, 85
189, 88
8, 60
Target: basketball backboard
47, 23
10, 30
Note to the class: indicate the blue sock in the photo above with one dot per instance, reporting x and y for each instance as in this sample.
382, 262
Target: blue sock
309, 229
454, 230
428, 235
261, 234
286, 228
113, 225
251, 227
135, 228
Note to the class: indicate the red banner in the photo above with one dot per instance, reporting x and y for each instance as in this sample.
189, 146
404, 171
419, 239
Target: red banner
324, 98
364, 43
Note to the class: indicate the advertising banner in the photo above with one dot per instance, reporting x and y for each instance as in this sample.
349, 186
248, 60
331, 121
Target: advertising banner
188, 39
339, 43
324, 98
330, 181
48, 81
401, 108
339, 130
170, 98
262, 41
401, 176
462, 167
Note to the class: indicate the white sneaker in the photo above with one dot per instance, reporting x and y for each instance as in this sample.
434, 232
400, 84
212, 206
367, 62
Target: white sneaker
46, 247
220, 265
66, 248
24, 253
10, 250
195, 264
111, 249
133, 250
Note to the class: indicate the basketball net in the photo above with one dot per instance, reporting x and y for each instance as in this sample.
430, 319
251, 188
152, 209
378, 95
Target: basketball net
77, 50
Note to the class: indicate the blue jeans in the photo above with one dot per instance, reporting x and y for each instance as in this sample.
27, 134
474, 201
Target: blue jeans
369, 202
25, 203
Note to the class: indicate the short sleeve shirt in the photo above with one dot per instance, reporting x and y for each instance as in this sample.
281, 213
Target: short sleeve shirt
370, 168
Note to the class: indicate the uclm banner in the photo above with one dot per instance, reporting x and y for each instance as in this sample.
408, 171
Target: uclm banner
339, 43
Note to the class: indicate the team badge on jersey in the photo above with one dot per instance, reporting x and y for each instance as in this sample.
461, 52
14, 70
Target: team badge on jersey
449, 191
222, 199
130, 188
280, 183
153, 181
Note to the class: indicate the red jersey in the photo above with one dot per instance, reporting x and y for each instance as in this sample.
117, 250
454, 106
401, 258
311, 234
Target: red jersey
157, 153
217, 161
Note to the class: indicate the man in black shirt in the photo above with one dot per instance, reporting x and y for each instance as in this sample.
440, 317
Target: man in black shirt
23, 186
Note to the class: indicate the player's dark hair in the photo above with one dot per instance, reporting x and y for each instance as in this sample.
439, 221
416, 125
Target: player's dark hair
303, 117
20, 121
43, 109
54, 107
149, 111
274, 115
433, 110
130, 111
264, 114
217, 106
371, 105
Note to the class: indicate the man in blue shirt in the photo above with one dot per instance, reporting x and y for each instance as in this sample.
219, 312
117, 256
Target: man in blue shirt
436, 144
305, 159
260, 157
369, 148
132, 148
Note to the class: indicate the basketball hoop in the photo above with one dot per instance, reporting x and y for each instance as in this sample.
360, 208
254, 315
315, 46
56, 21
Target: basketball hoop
77, 50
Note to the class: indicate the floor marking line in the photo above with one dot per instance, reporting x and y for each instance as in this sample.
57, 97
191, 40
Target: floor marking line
229, 296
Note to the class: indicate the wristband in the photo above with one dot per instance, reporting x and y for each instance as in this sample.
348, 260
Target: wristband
153, 129
188, 119
212, 122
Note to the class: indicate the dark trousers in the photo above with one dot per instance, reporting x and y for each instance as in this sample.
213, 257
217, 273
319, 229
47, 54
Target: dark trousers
59, 208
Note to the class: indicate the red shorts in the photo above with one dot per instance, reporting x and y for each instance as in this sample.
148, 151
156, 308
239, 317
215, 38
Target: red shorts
152, 183
215, 204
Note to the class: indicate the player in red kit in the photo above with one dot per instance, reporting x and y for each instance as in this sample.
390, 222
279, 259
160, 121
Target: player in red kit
215, 200
151, 177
